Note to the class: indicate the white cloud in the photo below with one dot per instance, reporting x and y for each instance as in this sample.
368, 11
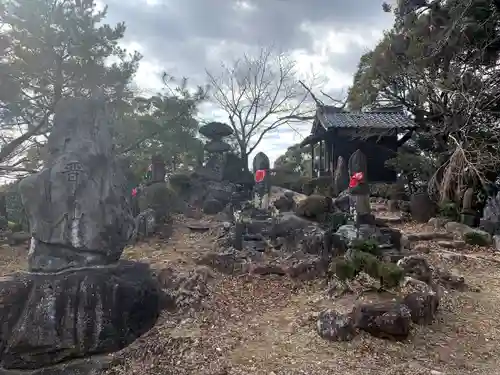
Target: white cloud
333, 54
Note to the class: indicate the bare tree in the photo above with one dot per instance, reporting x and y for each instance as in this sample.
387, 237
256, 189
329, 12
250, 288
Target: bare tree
260, 94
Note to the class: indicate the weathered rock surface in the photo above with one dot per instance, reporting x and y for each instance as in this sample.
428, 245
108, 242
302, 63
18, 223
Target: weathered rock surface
334, 326
422, 207
54, 318
237, 262
76, 205
390, 320
82, 366
417, 267
386, 237
423, 306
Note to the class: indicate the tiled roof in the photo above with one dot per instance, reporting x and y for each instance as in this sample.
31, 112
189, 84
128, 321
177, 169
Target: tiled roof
331, 117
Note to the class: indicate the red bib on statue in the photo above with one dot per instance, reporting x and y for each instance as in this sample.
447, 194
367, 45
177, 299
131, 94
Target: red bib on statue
260, 175
356, 178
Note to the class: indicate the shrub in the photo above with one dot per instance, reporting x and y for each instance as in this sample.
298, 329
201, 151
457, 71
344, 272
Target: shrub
449, 210
314, 207
477, 237
389, 274
161, 199
344, 269
367, 246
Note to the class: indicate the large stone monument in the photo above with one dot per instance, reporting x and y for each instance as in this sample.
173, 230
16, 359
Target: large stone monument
78, 301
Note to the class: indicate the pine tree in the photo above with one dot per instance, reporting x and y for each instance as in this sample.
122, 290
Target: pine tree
53, 49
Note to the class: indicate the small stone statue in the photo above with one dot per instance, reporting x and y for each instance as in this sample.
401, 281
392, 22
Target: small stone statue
261, 168
468, 214
360, 190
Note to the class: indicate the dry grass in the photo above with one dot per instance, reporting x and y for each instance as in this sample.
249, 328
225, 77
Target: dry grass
266, 325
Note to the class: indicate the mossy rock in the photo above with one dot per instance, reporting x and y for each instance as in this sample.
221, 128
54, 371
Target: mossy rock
449, 210
159, 197
314, 207
478, 238
366, 262
389, 274
366, 246
343, 269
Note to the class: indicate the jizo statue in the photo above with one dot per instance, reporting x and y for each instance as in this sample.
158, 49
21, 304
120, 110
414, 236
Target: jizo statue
261, 169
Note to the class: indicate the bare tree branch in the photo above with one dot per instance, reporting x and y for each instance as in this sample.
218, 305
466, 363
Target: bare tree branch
259, 94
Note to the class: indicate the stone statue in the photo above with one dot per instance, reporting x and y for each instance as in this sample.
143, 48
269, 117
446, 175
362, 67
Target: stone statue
360, 192
340, 177
261, 169
76, 204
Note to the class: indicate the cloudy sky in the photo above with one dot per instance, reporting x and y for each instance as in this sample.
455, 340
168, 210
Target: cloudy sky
185, 37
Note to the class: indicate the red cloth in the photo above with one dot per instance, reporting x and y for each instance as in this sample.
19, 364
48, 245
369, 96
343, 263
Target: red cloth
356, 178
134, 192
260, 175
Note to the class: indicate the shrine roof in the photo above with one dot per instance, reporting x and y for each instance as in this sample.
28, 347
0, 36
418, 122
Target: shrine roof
331, 117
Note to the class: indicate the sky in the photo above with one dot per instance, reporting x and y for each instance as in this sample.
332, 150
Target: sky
186, 37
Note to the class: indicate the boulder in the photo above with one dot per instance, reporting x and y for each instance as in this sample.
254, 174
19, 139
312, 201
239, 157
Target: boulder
284, 203
416, 267
314, 207
76, 205
334, 326
478, 237
53, 318
422, 207
391, 320
298, 234
437, 223
457, 228
423, 306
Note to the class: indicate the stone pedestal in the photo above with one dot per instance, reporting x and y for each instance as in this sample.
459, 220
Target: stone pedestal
50, 319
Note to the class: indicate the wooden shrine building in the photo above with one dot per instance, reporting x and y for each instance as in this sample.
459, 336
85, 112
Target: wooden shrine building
378, 134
